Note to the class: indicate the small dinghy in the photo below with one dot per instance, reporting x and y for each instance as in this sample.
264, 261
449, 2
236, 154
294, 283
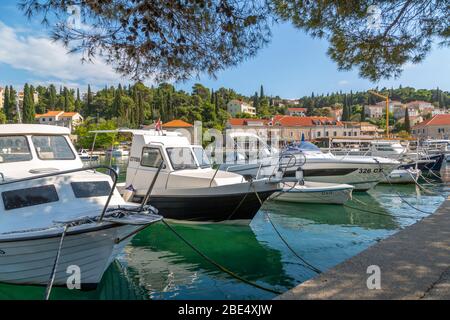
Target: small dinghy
402, 176
314, 192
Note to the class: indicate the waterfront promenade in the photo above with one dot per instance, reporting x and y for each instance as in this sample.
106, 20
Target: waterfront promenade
414, 264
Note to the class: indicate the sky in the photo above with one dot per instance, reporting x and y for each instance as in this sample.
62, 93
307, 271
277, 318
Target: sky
292, 65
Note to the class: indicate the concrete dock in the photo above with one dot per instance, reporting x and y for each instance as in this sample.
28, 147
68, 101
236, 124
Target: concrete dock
414, 264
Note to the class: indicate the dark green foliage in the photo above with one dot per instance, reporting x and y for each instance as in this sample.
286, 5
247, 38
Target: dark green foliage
162, 39
407, 122
28, 110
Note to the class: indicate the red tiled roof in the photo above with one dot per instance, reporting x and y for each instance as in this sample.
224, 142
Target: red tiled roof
287, 121
55, 113
243, 121
293, 121
437, 120
177, 124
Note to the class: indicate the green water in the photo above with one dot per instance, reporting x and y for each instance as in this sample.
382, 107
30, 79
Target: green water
157, 265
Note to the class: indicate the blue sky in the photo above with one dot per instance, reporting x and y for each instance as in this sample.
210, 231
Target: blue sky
292, 65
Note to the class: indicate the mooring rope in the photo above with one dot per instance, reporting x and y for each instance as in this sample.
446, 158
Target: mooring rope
219, 266
305, 263
397, 193
49, 287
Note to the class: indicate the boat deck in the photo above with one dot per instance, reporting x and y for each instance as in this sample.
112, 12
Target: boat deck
414, 264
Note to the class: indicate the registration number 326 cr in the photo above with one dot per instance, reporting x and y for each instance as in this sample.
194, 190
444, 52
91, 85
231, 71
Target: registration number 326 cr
368, 170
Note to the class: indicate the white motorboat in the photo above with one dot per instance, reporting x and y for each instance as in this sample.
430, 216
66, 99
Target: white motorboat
362, 172
57, 218
392, 149
314, 192
185, 187
402, 176
85, 155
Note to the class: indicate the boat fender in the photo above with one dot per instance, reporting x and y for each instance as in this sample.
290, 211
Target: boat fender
129, 193
299, 176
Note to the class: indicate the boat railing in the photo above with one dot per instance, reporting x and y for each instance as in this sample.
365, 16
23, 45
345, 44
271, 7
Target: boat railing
53, 174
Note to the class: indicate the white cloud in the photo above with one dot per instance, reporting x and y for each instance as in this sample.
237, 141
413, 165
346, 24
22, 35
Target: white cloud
47, 59
343, 83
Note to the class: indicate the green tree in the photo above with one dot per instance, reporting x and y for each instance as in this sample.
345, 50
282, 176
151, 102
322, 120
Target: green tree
3, 119
89, 102
7, 104
78, 102
407, 122
51, 97
28, 105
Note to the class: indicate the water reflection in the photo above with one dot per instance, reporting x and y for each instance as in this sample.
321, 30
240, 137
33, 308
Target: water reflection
168, 267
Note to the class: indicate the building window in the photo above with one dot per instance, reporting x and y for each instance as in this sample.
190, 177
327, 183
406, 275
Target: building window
318, 134
326, 133
355, 134
334, 133
345, 133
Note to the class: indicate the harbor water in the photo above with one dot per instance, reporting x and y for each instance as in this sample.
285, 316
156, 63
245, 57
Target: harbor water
158, 265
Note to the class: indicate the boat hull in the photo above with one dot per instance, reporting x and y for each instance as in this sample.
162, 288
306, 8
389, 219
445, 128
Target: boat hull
434, 164
212, 208
29, 261
315, 192
363, 176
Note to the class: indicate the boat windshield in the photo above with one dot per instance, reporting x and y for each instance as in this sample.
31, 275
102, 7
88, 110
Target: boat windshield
181, 158
52, 148
202, 157
14, 149
303, 146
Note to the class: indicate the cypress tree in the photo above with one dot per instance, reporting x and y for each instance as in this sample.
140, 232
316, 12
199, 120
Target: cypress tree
78, 102
117, 104
12, 102
66, 99
28, 105
261, 93
345, 115
256, 101
51, 97
6, 103
407, 123
89, 101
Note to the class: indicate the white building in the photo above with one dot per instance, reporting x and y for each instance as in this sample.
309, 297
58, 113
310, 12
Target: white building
60, 118
423, 107
237, 106
300, 112
399, 112
374, 111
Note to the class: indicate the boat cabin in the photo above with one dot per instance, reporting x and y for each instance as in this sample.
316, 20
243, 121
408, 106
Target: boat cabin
27, 149
183, 165
32, 193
